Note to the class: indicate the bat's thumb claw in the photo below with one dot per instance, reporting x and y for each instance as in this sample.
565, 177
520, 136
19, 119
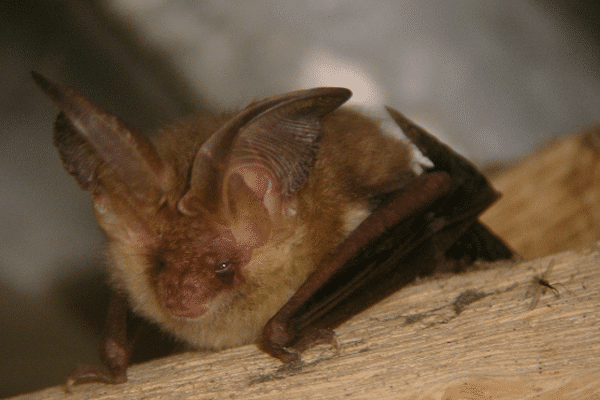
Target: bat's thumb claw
316, 337
85, 373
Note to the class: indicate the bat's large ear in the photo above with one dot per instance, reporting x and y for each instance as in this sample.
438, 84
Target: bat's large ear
271, 145
115, 162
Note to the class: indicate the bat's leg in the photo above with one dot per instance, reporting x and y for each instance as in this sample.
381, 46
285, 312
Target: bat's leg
115, 349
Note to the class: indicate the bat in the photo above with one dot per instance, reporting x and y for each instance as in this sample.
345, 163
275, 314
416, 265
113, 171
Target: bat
270, 225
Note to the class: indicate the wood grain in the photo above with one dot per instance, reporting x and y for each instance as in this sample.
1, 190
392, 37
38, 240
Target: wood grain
468, 336
551, 199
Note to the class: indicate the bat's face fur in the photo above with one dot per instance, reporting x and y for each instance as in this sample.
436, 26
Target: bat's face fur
214, 282
214, 224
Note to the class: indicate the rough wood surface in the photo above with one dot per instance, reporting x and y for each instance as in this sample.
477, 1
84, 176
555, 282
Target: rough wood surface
551, 199
485, 334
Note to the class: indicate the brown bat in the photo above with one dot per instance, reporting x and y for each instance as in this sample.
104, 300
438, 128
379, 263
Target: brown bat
272, 225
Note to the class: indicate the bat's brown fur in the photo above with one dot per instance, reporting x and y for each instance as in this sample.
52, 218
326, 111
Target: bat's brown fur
356, 163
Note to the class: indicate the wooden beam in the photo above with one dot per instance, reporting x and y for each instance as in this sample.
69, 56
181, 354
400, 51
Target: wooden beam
551, 199
491, 333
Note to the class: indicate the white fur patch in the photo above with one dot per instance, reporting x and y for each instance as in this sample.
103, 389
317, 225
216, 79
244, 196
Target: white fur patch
353, 217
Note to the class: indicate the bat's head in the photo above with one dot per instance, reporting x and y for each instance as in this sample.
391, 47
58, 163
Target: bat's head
198, 229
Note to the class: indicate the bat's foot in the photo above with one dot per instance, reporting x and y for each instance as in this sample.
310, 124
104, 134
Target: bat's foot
85, 373
316, 337
290, 353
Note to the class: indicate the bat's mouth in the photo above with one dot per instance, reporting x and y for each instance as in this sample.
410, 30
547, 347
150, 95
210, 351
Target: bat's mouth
183, 293
185, 301
186, 312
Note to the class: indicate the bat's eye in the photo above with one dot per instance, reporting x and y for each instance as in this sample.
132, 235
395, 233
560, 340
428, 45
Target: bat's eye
225, 271
223, 267
160, 265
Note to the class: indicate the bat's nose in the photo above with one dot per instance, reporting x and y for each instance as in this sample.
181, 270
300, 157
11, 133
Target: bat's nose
184, 295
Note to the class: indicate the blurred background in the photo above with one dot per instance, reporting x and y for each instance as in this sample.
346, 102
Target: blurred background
494, 79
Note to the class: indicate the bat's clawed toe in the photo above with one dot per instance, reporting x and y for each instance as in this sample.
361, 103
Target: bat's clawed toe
316, 337
292, 352
85, 373
286, 355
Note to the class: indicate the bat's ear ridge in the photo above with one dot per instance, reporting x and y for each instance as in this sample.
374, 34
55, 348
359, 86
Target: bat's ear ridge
284, 139
250, 218
271, 144
88, 139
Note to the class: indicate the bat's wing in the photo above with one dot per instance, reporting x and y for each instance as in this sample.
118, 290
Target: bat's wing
429, 222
